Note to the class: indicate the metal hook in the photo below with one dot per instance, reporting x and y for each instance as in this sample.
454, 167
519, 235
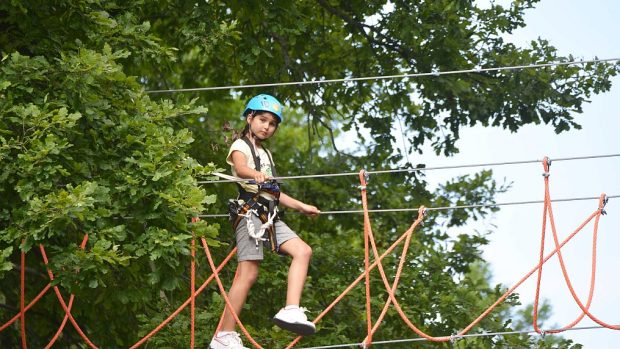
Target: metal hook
543, 333
548, 163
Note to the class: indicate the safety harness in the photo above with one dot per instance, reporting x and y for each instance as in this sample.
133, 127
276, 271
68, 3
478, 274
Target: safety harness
248, 204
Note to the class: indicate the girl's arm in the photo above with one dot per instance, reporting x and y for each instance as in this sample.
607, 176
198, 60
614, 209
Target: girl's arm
243, 170
294, 204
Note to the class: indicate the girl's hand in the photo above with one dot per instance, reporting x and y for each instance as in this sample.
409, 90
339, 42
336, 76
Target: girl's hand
309, 210
260, 177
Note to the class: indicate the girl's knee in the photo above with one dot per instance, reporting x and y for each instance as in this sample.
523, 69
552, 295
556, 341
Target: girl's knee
305, 251
248, 273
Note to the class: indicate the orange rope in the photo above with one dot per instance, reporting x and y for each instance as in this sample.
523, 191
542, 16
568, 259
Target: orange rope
358, 280
369, 242
390, 289
369, 236
62, 325
572, 291
71, 298
367, 232
67, 308
22, 302
524, 278
225, 296
219, 324
391, 295
62, 301
186, 303
548, 210
30, 305
193, 289
368, 340
598, 213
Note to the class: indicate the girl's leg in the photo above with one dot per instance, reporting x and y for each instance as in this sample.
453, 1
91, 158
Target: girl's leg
301, 253
247, 272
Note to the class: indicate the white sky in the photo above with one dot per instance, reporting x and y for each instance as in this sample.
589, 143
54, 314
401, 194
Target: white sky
586, 29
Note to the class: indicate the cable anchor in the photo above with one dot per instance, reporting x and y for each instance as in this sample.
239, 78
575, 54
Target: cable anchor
366, 179
543, 333
422, 211
604, 200
546, 165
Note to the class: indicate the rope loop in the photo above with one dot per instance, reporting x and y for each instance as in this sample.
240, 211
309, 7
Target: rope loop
542, 333
602, 203
546, 164
366, 175
364, 178
422, 213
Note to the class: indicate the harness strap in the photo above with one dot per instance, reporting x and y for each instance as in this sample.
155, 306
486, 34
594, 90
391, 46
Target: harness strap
266, 210
256, 158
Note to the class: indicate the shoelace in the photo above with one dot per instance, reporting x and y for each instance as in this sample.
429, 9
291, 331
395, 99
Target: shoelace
236, 338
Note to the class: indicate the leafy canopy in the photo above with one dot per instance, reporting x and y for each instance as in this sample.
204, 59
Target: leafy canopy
85, 148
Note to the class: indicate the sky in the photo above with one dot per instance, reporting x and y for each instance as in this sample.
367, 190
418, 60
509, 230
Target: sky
586, 29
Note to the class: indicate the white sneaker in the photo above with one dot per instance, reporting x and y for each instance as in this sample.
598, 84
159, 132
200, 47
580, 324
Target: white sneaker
292, 318
227, 340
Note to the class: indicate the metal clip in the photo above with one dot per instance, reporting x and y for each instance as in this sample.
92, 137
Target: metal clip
364, 344
422, 211
548, 161
455, 337
366, 179
605, 200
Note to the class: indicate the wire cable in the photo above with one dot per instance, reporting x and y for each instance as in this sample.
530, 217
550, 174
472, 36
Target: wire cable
484, 334
442, 208
419, 169
385, 77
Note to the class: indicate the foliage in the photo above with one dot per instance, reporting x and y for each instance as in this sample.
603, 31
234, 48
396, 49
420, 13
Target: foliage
85, 151
87, 146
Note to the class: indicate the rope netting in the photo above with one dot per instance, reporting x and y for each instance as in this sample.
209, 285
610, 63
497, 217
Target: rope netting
370, 246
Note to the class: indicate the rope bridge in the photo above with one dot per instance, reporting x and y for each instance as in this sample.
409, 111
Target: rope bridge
369, 245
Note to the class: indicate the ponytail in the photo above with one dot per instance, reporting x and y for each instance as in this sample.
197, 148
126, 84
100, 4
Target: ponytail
245, 131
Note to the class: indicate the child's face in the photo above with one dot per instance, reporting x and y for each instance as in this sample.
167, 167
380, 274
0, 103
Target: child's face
263, 124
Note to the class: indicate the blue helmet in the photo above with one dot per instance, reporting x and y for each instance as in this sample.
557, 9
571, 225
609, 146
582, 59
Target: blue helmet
264, 102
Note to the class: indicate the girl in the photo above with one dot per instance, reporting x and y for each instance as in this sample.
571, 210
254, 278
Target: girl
254, 216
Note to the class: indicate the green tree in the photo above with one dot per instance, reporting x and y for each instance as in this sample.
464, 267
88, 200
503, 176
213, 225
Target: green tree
85, 149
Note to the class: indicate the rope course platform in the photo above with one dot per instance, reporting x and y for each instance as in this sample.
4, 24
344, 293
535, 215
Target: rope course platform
370, 247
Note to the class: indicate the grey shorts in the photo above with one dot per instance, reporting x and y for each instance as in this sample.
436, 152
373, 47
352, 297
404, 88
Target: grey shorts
248, 250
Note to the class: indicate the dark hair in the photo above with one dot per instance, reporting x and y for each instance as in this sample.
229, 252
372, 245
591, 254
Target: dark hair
245, 131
